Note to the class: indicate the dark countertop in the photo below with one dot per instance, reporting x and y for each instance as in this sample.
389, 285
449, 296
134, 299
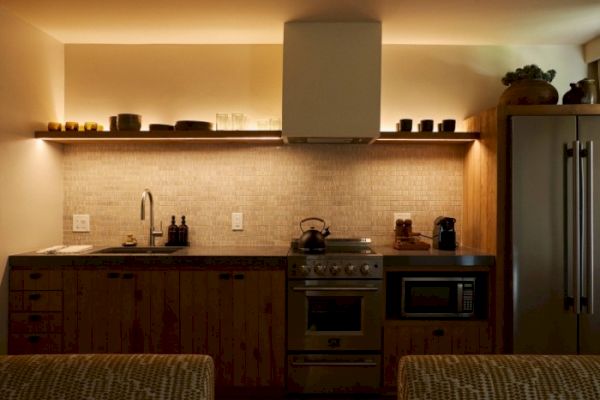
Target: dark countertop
218, 256
274, 257
460, 257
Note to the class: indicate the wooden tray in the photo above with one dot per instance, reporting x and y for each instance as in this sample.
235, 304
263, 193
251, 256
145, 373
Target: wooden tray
406, 245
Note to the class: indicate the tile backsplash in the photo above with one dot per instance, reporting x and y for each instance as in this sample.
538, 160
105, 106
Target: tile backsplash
355, 188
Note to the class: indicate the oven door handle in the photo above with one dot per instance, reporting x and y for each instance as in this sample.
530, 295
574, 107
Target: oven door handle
334, 364
335, 289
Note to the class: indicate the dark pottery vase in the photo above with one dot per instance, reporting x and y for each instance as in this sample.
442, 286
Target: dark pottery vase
529, 92
574, 95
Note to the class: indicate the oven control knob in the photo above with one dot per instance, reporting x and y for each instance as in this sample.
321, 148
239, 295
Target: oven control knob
303, 270
350, 269
320, 269
334, 269
364, 269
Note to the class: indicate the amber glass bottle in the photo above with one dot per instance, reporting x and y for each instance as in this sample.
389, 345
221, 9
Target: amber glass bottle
173, 233
183, 233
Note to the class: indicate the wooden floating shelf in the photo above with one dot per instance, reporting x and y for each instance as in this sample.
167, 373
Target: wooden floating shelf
420, 137
242, 137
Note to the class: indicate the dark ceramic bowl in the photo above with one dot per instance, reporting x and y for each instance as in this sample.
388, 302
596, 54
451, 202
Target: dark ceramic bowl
161, 127
193, 126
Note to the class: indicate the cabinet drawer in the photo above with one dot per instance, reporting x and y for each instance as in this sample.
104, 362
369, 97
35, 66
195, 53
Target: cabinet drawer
35, 322
36, 301
34, 343
35, 280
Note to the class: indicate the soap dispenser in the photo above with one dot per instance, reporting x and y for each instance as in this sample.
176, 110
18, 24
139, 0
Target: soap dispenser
173, 233
183, 233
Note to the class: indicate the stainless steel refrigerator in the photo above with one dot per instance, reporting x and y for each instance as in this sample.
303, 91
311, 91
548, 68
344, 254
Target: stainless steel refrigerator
555, 186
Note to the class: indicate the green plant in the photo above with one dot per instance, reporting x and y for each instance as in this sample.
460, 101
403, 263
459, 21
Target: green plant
531, 71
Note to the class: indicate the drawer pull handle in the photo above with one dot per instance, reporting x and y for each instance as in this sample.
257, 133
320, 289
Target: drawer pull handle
35, 296
128, 275
112, 275
238, 276
33, 339
438, 332
35, 275
224, 276
35, 318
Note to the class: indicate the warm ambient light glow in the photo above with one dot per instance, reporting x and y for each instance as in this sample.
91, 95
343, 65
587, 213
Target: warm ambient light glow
162, 139
424, 140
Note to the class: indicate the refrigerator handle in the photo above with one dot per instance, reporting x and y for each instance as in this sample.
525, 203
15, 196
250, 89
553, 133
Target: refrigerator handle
589, 231
576, 228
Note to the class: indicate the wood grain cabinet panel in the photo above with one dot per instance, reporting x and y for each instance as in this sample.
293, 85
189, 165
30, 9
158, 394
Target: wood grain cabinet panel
35, 320
237, 317
128, 312
431, 337
34, 343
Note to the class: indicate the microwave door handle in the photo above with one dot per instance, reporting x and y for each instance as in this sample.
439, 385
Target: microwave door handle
589, 231
459, 297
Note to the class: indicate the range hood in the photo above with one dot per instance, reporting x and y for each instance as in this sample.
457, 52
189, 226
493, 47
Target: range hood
331, 82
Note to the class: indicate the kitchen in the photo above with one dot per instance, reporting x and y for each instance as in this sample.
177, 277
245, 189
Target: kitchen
356, 188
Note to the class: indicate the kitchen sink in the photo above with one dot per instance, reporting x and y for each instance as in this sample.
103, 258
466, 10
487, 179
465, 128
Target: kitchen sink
138, 250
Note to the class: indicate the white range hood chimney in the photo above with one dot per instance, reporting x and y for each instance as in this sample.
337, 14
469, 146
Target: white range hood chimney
331, 82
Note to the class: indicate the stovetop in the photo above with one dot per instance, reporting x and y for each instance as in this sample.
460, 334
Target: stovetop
342, 259
350, 246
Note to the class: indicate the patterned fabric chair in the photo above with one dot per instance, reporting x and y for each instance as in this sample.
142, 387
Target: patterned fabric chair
107, 376
499, 377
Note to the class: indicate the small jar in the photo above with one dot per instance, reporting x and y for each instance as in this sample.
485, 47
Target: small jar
590, 92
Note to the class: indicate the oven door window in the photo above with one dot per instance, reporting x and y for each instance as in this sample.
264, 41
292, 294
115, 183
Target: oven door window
430, 297
334, 313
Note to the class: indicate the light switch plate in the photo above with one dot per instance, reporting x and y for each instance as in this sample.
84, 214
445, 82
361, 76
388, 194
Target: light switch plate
400, 215
81, 222
237, 221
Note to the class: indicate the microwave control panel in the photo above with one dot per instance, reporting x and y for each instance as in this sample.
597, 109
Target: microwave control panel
467, 297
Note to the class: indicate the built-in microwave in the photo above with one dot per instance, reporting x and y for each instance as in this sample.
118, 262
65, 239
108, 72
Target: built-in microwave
439, 297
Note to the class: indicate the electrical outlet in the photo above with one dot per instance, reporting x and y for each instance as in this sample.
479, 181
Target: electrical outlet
237, 221
400, 215
81, 222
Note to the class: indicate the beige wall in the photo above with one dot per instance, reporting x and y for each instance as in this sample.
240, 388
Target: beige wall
31, 94
457, 81
166, 83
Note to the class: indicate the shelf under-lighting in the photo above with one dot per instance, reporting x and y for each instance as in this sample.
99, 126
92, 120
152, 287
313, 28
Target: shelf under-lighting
431, 137
240, 137
249, 137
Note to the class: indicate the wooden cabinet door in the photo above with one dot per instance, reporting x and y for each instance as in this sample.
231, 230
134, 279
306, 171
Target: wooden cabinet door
128, 311
431, 337
154, 322
98, 291
238, 318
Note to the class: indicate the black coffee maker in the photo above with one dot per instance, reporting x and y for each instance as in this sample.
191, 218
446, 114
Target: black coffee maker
444, 235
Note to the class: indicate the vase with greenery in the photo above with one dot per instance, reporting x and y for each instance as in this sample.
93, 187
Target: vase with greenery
529, 85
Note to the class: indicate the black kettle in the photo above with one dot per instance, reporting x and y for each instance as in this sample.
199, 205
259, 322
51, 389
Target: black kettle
313, 240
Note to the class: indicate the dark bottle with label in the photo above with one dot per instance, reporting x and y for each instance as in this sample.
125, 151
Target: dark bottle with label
183, 233
173, 233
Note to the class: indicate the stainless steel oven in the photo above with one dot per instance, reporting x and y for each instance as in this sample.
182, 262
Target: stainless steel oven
335, 313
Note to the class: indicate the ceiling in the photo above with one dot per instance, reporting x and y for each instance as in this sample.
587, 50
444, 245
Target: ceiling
466, 22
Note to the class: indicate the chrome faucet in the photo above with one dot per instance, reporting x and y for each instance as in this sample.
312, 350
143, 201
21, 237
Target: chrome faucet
153, 233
